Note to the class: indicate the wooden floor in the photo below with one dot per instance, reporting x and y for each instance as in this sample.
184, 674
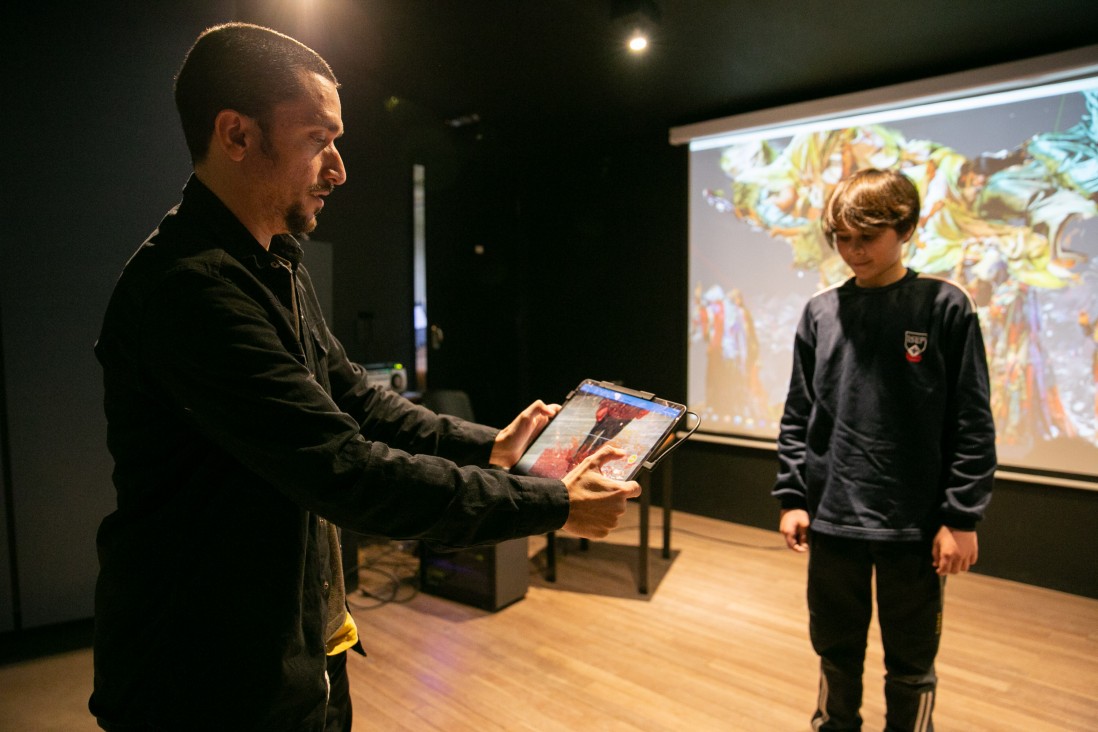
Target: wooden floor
719, 643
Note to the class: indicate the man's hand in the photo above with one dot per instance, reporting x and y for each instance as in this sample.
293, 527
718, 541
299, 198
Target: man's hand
513, 439
794, 527
955, 550
596, 502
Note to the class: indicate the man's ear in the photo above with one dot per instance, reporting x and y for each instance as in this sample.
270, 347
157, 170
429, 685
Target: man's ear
234, 133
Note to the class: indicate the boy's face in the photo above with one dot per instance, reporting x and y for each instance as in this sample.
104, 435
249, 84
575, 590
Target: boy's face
875, 255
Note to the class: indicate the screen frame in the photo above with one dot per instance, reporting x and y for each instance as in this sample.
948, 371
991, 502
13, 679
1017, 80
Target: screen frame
583, 390
1058, 67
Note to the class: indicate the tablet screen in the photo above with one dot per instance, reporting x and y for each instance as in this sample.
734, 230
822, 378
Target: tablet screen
595, 414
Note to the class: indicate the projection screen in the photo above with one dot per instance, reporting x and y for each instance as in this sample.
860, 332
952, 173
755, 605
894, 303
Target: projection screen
1006, 162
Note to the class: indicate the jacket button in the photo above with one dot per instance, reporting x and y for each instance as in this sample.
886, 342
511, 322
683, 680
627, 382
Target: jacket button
325, 586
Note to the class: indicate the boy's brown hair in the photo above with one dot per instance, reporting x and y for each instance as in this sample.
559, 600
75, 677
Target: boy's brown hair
872, 199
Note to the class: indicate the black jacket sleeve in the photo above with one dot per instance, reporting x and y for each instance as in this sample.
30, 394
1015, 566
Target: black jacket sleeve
221, 362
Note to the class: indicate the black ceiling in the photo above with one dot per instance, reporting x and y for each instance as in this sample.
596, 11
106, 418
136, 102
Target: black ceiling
564, 61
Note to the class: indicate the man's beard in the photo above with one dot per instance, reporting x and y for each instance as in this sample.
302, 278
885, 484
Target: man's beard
298, 222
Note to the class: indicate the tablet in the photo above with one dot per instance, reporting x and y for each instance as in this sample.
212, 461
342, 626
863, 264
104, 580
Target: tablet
594, 414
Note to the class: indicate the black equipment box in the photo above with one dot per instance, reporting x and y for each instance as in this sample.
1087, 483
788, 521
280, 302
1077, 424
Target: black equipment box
489, 577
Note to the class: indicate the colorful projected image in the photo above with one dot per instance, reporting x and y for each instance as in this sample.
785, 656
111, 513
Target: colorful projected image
1009, 207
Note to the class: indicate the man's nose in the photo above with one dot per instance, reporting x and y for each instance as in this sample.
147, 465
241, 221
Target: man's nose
334, 172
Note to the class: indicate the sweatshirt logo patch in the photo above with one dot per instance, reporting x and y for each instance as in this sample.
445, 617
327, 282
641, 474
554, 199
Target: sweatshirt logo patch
914, 345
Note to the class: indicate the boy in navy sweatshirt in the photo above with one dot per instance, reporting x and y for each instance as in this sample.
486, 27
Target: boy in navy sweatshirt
886, 453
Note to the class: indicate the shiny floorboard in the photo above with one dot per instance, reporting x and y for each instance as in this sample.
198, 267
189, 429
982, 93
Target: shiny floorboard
719, 643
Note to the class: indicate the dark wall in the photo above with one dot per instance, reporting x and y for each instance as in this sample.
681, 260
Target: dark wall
585, 215
1032, 533
95, 159
606, 264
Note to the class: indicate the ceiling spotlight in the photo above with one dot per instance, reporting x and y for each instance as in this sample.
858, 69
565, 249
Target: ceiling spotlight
639, 17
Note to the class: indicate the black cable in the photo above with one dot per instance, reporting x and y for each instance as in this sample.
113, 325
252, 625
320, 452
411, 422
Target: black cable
650, 464
396, 573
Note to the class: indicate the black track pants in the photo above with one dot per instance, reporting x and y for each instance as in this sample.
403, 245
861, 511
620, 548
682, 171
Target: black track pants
909, 608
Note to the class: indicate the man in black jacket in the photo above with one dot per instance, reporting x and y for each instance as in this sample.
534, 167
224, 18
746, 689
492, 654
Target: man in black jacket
242, 434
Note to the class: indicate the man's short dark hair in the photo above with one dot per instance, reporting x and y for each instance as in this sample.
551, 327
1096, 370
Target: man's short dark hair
243, 67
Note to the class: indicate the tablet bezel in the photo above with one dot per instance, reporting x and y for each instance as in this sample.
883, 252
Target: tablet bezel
600, 390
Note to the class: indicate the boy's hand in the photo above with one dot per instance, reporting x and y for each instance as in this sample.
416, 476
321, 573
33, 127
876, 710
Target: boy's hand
794, 527
955, 550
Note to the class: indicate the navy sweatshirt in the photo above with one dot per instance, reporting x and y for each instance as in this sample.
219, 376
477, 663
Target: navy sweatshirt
887, 432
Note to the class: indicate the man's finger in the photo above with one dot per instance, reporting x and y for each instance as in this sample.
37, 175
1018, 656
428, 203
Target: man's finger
605, 454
